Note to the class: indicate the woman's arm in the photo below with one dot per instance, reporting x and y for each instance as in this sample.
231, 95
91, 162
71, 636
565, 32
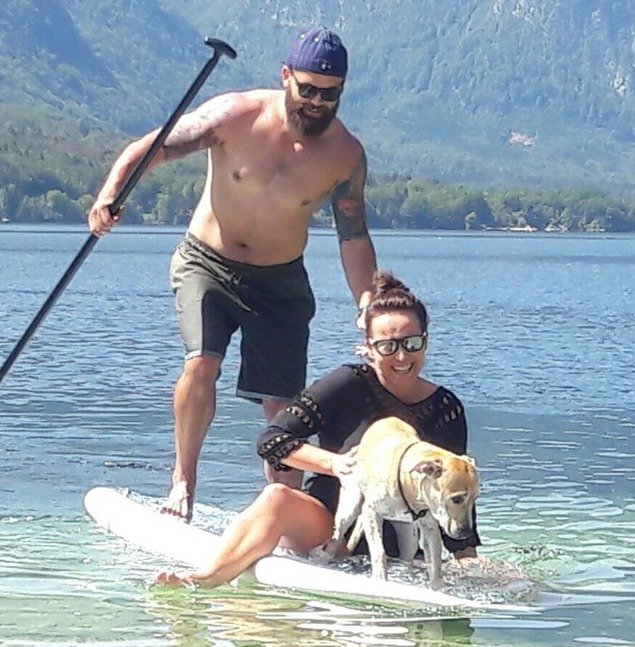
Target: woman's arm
321, 461
323, 409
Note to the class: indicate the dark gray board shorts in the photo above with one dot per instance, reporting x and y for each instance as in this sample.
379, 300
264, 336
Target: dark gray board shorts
271, 305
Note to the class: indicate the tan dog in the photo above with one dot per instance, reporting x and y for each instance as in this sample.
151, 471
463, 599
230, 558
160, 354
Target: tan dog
399, 477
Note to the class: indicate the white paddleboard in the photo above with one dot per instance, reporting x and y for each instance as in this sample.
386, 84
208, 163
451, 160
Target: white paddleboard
146, 528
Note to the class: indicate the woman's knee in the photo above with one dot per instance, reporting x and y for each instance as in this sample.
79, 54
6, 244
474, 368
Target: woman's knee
301, 521
276, 495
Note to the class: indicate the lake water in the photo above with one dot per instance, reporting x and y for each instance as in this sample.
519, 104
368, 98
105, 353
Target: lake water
535, 333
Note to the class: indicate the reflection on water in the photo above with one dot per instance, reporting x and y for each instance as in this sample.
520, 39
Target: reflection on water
535, 335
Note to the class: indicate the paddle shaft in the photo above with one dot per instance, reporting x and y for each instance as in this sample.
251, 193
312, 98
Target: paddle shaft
220, 48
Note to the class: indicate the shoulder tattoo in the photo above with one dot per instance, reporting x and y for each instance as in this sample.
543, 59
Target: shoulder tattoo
196, 130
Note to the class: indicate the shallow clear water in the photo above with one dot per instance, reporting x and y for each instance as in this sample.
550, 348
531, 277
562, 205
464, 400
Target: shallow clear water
535, 333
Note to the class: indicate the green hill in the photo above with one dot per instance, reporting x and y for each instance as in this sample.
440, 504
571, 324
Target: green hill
495, 94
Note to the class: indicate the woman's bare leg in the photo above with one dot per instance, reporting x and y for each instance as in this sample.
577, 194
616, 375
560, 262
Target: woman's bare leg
279, 516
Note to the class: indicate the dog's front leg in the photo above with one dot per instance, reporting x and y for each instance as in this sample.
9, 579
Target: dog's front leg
432, 547
373, 529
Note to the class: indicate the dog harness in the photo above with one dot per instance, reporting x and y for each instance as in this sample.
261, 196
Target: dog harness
415, 515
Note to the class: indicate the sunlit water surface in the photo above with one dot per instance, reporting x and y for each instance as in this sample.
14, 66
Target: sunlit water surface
535, 333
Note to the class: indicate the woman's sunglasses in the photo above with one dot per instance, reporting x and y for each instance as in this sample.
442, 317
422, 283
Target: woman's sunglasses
309, 91
411, 344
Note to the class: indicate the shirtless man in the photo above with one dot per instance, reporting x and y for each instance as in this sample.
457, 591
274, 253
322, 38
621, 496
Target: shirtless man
273, 157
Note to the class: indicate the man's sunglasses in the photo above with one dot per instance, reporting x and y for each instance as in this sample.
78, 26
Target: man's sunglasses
411, 344
310, 91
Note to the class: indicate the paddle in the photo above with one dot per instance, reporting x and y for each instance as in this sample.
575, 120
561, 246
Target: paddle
220, 48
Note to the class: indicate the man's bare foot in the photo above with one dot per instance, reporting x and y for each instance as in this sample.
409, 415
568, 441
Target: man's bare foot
180, 503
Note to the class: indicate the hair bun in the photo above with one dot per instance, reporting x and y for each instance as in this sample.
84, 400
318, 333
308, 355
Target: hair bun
384, 281
390, 293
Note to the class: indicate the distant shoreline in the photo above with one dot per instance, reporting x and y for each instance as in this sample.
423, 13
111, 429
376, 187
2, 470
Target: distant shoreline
315, 229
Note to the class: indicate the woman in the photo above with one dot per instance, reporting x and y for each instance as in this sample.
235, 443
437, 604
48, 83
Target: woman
338, 408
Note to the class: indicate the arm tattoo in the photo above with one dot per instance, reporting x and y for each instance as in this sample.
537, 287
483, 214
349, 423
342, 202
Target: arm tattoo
347, 200
196, 130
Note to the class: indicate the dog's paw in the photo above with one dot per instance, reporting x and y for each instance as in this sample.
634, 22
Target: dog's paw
437, 583
335, 548
378, 573
329, 551
319, 556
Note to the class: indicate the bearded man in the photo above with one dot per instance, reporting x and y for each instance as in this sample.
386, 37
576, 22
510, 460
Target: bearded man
274, 156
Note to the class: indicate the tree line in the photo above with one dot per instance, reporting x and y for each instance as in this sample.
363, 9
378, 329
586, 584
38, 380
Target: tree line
168, 196
424, 204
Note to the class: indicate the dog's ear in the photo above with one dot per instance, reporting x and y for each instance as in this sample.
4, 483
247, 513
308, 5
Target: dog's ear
433, 469
469, 459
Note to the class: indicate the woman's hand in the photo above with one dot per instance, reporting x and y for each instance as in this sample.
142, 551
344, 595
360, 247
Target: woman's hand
344, 464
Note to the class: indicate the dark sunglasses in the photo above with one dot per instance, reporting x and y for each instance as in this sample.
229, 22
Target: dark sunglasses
411, 344
309, 91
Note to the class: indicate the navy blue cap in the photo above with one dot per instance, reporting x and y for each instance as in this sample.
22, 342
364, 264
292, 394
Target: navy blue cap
319, 50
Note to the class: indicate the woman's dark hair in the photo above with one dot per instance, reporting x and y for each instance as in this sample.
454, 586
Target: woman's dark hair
390, 293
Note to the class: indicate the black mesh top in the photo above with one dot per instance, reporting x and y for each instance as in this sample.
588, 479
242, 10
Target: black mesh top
339, 407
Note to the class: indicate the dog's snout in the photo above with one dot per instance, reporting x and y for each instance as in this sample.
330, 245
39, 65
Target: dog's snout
464, 531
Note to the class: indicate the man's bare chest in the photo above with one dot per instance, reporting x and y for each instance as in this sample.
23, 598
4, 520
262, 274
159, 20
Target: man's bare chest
294, 168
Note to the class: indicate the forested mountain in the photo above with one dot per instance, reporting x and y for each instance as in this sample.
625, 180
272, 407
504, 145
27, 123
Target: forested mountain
488, 93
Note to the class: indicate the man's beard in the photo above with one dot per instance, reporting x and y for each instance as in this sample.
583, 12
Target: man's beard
305, 125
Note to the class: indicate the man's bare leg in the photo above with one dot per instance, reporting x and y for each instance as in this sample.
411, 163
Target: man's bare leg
194, 409
280, 516
292, 478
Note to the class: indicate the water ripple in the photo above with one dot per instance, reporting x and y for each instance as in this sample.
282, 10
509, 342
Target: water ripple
540, 355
